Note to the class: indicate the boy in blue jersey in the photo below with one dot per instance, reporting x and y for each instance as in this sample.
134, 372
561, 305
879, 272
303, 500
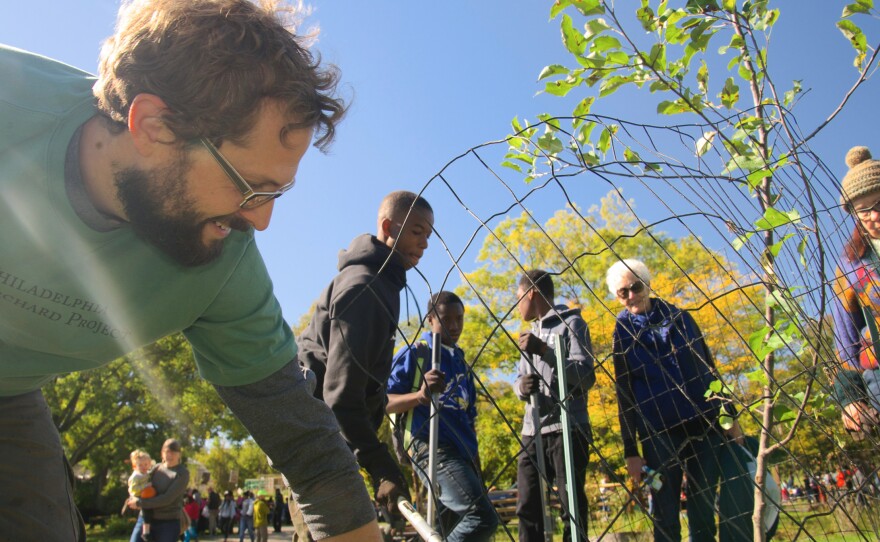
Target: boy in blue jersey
465, 510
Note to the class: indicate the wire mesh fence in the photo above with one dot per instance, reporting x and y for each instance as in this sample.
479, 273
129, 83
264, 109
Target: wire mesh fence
747, 333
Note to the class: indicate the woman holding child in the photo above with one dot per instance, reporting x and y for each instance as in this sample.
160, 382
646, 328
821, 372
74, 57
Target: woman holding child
170, 479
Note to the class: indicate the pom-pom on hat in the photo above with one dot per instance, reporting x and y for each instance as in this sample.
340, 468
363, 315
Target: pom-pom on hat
863, 177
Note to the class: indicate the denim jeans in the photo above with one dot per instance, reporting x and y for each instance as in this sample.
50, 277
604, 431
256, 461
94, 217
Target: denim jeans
138, 529
528, 502
465, 512
36, 502
674, 453
246, 522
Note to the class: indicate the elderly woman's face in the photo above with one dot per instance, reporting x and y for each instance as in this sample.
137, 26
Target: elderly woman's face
633, 294
867, 211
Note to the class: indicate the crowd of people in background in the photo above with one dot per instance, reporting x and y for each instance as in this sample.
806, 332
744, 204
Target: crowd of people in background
855, 483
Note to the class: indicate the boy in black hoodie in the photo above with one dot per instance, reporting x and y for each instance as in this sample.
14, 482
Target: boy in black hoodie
350, 341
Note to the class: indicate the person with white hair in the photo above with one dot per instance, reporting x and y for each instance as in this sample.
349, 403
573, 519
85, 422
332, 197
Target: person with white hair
663, 369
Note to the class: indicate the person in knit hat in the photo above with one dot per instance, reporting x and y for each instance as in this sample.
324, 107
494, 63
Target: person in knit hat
855, 306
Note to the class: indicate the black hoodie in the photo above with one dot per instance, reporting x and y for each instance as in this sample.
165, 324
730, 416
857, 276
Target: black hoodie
349, 345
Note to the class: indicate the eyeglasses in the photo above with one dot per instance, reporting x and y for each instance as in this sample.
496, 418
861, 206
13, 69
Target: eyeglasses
866, 213
252, 199
636, 287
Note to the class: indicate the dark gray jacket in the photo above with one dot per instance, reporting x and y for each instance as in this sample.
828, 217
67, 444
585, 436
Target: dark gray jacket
349, 344
571, 328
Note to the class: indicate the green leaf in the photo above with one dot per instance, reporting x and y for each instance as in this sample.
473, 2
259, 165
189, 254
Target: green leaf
657, 57
594, 27
756, 177
672, 108
550, 143
777, 246
725, 421
604, 43
631, 156
605, 138
617, 57
573, 40
736, 42
512, 166
646, 17
783, 413
658, 85
589, 7
522, 157
774, 218
859, 6
855, 36
745, 162
583, 108
561, 88
729, 6
590, 158
611, 84
517, 128
758, 375
729, 94
557, 8
741, 241
802, 247
716, 386
705, 142
789, 96
551, 70
583, 134
703, 77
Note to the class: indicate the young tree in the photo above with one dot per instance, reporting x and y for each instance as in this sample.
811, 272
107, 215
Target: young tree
742, 136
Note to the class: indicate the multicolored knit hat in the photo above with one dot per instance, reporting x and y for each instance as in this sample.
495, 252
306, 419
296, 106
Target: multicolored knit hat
863, 177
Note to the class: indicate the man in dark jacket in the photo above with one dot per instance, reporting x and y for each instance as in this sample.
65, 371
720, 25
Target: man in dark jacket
350, 341
535, 294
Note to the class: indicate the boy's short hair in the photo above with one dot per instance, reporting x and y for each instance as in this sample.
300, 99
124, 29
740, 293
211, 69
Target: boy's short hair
442, 298
540, 279
213, 62
398, 203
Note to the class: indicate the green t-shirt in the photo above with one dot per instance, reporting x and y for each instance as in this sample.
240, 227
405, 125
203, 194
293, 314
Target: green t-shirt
74, 298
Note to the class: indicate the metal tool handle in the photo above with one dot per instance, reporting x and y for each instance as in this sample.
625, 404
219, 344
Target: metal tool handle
416, 520
539, 456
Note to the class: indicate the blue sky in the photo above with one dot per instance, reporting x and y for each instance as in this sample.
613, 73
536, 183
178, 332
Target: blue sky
430, 80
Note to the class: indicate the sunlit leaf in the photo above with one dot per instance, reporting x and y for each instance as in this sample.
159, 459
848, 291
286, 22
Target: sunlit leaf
705, 142
859, 6
574, 41
855, 36
551, 70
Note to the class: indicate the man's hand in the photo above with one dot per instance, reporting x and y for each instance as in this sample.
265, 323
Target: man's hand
434, 382
531, 344
387, 494
634, 466
132, 503
529, 384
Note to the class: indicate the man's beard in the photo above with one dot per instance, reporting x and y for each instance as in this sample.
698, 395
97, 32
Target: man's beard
160, 213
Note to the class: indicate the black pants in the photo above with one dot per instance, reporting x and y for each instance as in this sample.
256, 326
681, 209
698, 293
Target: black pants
528, 504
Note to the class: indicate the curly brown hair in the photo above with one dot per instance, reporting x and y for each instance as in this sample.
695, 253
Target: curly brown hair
213, 62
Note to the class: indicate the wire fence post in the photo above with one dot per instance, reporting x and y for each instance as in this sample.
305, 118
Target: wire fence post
574, 519
432, 435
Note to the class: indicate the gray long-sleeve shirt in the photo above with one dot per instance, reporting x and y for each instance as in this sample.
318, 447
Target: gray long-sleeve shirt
579, 370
